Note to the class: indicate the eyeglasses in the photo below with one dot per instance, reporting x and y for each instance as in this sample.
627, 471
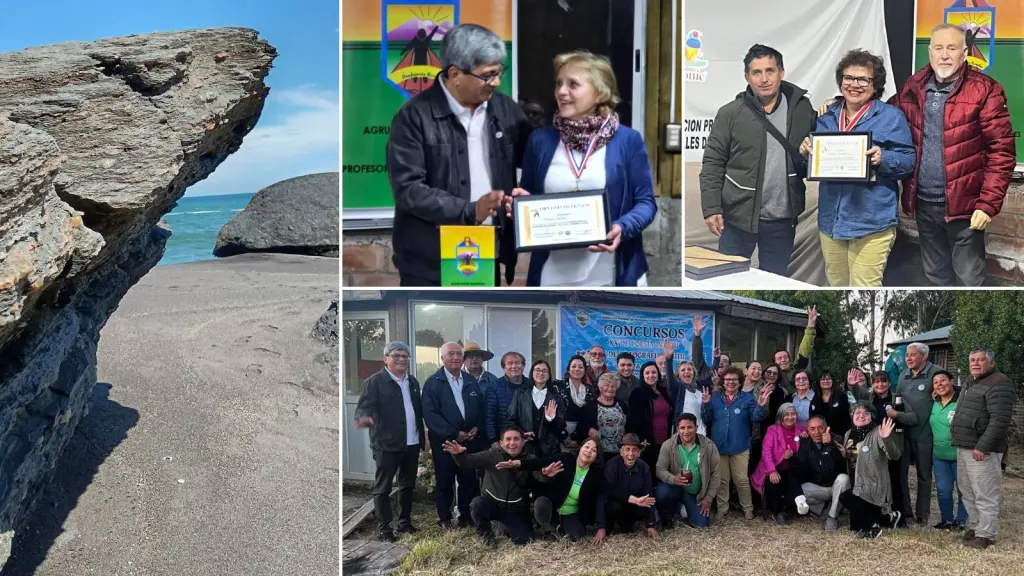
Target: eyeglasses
773, 372
489, 78
397, 356
453, 354
732, 381
857, 80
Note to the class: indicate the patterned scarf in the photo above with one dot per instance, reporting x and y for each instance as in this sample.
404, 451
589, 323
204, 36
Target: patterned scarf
578, 133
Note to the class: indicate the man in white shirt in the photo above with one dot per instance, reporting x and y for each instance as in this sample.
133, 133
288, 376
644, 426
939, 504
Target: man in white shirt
390, 407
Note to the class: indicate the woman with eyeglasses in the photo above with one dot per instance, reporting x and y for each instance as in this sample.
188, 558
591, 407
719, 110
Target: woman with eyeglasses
589, 149
537, 412
857, 219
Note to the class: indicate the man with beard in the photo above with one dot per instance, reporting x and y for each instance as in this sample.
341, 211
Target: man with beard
597, 364
625, 364
505, 495
630, 488
499, 397
782, 358
915, 385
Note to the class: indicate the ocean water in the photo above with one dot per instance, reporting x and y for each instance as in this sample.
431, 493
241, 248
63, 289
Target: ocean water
195, 223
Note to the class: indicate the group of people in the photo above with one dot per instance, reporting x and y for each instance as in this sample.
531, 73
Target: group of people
615, 448
454, 149
946, 135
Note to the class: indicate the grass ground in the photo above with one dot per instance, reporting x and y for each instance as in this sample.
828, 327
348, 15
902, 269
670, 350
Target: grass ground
733, 546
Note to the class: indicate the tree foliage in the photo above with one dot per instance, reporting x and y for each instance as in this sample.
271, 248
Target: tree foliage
991, 319
917, 311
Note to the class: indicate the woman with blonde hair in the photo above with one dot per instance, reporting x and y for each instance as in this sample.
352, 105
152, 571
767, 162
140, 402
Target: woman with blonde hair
588, 149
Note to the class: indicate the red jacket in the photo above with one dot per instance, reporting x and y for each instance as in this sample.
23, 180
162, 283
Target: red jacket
979, 149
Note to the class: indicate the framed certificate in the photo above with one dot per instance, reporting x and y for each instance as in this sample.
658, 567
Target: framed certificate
839, 156
558, 221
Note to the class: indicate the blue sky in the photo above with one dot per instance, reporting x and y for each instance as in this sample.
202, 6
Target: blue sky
298, 131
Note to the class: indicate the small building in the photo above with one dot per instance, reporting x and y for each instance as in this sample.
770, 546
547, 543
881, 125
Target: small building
549, 325
940, 347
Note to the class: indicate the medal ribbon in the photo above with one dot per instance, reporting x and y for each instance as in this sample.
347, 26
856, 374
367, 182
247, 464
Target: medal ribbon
846, 125
578, 168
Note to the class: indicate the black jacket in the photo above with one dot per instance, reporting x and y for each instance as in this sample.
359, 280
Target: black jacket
622, 482
382, 400
572, 411
444, 421
523, 413
641, 413
508, 488
983, 414
592, 492
428, 167
836, 411
819, 465
588, 419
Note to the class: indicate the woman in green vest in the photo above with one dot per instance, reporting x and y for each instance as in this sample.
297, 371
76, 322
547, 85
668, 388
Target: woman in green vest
944, 453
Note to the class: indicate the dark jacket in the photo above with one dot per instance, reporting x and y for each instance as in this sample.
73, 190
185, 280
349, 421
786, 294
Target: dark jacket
626, 387
983, 413
622, 482
904, 420
508, 488
428, 166
444, 421
592, 491
980, 150
917, 391
523, 413
630, 189
820, 465
732, 174
641, 413
836, 411
588, 419
572, 411
381, 400
499, 397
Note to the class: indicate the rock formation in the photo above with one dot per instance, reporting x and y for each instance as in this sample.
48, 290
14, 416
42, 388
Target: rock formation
295, 216
97, 141
326, 330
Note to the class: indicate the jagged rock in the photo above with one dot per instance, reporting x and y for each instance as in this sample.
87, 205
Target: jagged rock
97, 142
294, 216
326, 329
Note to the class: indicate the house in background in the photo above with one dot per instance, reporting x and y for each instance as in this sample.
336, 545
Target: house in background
940, 347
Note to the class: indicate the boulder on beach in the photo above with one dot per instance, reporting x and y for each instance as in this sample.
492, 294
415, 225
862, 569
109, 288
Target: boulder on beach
326, 330
295, 216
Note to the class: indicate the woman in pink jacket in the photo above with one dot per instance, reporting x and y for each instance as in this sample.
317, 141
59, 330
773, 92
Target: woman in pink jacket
775, 477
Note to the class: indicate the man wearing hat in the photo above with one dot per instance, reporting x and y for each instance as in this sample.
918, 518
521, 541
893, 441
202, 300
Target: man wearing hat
473, 362
630, 487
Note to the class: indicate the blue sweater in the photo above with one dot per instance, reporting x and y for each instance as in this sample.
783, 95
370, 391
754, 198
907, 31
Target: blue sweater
849, 210
630, 186
731, 425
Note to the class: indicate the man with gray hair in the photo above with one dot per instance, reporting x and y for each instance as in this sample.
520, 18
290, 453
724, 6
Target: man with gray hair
452, 155
390, 407
979, 430
915, 385
960, 126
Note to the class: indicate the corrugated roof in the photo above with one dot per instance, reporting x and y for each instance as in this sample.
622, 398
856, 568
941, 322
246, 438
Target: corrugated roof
712, 296
937, 334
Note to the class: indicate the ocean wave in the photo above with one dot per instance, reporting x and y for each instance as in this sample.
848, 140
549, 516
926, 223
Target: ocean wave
197, 212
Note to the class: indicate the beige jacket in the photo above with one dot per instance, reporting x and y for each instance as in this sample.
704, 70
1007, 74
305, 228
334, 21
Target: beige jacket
669, 465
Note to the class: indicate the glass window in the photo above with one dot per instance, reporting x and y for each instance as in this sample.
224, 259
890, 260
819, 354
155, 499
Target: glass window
736, 339
435, 324
363, 352
529, 331
770, 339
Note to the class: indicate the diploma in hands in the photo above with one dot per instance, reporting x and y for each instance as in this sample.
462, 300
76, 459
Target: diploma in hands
558, 221
839, 156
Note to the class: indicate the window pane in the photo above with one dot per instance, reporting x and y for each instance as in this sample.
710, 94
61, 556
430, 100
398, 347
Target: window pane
736, 339
529, 331
770, 339
363, 352
436, 324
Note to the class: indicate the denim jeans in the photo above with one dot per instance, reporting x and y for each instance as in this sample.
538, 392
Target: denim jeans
945, 477
668, 496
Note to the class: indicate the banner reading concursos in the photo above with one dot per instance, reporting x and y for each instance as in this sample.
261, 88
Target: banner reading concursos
639, 332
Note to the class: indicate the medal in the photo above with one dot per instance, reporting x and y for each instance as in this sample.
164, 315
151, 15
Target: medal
578, 167
847, 125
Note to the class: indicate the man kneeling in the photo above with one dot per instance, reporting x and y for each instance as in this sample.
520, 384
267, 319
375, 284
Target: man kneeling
689, 472
505, 495
628, 481
820, 461
576, 500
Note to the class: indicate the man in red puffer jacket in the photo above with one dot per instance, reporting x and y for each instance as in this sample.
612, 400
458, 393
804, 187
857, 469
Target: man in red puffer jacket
966, 156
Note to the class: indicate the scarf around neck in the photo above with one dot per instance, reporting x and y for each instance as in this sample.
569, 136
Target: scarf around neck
577, 134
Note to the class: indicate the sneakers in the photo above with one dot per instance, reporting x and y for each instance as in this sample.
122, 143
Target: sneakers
979, 543
831, 524
894, 518
871, 533
944, 526
801, 505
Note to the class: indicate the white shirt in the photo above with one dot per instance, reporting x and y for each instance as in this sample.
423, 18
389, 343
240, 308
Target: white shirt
692, 403
456, 383
577, 266
477, 145
412, 435
539, 396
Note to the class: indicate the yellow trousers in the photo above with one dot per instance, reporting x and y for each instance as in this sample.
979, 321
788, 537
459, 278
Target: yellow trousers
857, 263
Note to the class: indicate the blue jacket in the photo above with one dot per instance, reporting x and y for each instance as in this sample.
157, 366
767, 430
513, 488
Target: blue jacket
849, 210
630, 187
441, 413
731, 425
499, 396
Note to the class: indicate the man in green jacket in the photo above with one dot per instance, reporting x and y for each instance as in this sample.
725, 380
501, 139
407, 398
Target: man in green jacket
915, 385
979, 430
751, 184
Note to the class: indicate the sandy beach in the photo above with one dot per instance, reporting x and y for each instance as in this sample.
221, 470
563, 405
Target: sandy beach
211, 446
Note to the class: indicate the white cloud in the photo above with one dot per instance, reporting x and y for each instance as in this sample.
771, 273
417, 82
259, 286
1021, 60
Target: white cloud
304, 141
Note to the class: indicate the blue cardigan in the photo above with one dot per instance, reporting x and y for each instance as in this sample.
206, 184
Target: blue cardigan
849, 210
630, 187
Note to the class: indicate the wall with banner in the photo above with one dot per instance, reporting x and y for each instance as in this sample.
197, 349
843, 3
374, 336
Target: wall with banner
639, 332
390, 53
995, 33
812, 35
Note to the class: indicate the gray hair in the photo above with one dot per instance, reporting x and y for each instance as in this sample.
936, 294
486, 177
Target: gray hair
611, 377
988, 353
396, 345
920, 347
863, 405
467, 46
948, 26
782, 411
449, 345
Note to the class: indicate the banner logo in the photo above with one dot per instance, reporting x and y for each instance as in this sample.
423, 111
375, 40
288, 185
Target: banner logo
977, 19
411, 35
696, 66
467, 257
582, 318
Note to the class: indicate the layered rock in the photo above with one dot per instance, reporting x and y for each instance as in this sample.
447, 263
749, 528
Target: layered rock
326, 330
97, 142
294, 216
